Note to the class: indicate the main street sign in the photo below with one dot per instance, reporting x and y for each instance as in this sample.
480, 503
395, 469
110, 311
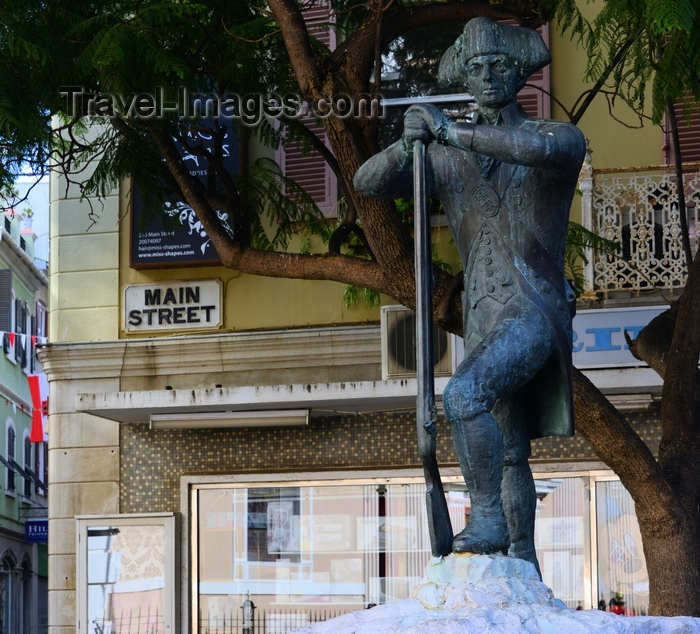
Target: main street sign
194, 305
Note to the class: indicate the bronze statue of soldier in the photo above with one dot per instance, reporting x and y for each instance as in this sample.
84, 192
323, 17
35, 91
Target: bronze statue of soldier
506, 182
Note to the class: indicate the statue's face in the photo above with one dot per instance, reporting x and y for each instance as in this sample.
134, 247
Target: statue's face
492, 80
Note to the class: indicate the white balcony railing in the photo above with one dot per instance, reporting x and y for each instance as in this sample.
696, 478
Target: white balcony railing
638, 209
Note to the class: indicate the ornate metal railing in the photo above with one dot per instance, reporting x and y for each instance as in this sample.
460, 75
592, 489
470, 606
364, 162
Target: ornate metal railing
263, 622
137, 621
638, 209
142, 621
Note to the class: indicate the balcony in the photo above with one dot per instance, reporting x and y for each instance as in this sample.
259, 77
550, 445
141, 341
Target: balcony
638, 209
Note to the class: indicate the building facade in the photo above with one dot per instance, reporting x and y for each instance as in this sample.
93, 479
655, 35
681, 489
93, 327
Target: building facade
217, 438
23, 455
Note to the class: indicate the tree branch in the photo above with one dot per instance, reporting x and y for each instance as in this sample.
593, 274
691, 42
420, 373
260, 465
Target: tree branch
341, 234
330, 266
359, 48
653, 344
617, 444
296, 39
591, 94
325, 266
446, 308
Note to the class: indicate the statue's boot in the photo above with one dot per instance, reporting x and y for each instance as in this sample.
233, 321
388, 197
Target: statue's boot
479, 447
527, 553
519, 502
484, 534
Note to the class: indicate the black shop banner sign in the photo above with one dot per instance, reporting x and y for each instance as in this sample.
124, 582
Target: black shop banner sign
174, 236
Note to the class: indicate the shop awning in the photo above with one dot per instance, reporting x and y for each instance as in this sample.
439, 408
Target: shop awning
320, 398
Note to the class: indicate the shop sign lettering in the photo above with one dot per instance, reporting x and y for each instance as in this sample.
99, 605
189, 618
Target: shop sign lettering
599, 335
172, 306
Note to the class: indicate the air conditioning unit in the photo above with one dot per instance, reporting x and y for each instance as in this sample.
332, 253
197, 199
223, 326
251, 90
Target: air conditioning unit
398, 327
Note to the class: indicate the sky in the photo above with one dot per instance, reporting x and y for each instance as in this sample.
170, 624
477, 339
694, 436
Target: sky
38, 202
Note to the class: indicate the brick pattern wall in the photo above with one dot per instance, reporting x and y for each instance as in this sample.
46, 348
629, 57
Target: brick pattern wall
152, 462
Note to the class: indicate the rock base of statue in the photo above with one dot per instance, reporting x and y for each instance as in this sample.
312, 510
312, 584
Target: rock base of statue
464, 594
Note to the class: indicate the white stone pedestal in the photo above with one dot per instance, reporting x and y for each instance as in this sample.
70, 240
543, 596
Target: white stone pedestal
476, 594
480, 581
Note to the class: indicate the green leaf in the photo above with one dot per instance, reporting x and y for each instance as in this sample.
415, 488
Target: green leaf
671, 15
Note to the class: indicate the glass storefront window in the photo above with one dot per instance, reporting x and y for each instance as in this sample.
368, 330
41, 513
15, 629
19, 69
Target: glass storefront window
341, 547
332, 547
623, 581
560, 541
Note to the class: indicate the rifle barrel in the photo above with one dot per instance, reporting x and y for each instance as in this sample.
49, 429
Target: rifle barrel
426, 413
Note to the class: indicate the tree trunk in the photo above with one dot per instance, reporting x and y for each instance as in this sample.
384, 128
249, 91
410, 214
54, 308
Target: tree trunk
673, 563
665, 497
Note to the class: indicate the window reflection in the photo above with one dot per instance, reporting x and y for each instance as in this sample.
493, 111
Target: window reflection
332, 548
623, 581
125, 579
560, 537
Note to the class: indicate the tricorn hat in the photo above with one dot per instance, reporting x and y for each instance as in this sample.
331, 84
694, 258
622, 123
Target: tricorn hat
483, 36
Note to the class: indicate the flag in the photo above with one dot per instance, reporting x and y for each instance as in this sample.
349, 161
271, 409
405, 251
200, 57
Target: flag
37, 433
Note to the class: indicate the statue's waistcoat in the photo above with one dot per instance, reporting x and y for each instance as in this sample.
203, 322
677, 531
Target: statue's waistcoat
499, 222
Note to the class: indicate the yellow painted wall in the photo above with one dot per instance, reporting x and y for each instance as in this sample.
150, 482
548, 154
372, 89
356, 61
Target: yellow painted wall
613, 144
84, 265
